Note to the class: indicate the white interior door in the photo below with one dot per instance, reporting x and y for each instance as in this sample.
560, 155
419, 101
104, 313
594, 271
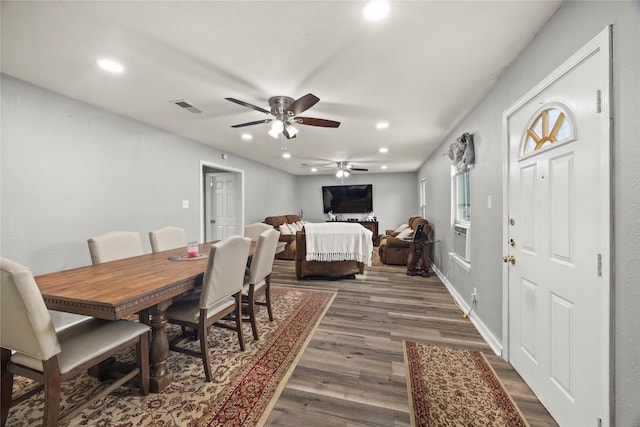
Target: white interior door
558, 206
221, 205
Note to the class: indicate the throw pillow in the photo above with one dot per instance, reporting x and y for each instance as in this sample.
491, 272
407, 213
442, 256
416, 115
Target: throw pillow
402, 227
299, 225
407, 232
284, 229
292, 228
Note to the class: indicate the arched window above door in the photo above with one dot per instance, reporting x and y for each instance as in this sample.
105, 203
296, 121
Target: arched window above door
550, 126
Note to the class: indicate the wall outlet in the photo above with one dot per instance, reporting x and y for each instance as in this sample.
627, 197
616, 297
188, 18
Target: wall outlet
474, 294
185, 204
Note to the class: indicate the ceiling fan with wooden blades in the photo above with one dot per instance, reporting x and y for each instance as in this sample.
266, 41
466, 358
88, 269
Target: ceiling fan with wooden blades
342, 168
284, 111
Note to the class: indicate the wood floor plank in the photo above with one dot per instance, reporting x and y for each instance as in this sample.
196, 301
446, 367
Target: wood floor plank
352, 373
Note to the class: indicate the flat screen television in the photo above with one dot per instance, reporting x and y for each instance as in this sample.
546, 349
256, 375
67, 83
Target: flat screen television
347, 198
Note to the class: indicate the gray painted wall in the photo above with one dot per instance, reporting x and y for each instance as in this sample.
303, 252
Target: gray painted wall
571, 27
395, 196
71, 171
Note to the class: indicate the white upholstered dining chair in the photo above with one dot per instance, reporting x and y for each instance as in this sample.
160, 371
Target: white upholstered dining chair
115, 245
220, 296
258, 282
254, 230
30, 346
166, 238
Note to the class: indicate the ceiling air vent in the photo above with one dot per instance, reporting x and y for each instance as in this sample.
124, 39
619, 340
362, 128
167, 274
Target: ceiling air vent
187, 106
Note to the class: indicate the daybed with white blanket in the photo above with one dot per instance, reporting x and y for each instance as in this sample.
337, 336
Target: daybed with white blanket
332, 249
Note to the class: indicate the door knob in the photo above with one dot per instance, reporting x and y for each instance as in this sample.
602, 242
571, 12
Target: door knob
509, 258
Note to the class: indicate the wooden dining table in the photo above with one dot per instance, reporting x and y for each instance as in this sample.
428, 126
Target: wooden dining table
117, 289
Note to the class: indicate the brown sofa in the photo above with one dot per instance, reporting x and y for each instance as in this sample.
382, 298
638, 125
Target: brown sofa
290, 239
395, 251
335, 269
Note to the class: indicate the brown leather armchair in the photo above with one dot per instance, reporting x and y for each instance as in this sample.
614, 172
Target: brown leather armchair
393, 232
395, 251
290, 239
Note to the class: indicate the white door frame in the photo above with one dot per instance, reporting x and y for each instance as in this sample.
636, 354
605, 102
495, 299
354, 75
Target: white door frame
240, 195
602, 43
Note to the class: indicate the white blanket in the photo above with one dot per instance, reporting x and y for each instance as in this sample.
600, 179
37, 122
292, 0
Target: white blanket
338, 241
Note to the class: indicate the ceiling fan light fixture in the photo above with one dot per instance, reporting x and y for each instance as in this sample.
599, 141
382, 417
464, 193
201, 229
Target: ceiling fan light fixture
292, 131
340, 173
276, 129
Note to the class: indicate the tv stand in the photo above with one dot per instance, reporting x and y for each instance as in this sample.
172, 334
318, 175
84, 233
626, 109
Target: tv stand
370, 225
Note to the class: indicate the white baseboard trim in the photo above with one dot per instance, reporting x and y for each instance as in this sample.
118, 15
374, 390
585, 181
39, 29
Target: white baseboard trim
485, 333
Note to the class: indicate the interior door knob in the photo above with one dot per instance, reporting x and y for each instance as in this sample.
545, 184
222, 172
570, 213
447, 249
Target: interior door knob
509, 258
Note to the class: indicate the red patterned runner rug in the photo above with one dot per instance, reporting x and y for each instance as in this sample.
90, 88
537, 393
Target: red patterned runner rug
454, 387
244, 389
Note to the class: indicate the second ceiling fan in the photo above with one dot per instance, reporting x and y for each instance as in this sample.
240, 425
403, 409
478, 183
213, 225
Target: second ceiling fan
284, 111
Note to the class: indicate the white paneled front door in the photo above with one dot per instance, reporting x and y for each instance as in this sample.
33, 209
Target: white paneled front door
558, 229
221, 205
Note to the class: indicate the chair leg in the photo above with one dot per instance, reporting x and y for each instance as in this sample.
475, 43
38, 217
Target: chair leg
142, 360
267, 296
203, 333
238, 298
251, 308
6, 378
51, 392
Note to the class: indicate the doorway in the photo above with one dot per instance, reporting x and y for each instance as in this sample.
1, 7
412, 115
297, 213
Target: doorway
557, 237
221, 201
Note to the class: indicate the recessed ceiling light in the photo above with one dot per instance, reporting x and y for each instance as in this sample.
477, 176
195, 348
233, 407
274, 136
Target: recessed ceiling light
376, 10
112, 66
247, 136
286, 155
383, 167
314, 169
382, 125
383, 149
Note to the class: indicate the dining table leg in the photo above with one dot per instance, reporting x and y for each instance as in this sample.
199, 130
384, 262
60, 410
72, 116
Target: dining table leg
159, 350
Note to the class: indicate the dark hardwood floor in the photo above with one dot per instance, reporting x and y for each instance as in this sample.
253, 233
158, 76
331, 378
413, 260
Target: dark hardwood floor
352, 372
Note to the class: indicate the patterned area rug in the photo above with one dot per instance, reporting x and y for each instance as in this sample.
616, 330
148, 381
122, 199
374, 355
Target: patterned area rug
453, 387
245, 385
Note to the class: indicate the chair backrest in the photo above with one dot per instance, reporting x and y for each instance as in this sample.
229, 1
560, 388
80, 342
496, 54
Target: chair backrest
265, 253
254, 230
25, 323
115, 245
166, 238
224, 275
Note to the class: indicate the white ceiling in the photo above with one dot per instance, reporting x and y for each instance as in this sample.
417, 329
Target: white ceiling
421, 69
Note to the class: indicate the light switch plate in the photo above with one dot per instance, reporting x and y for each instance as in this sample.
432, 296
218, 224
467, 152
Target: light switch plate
185, 204
489, 202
